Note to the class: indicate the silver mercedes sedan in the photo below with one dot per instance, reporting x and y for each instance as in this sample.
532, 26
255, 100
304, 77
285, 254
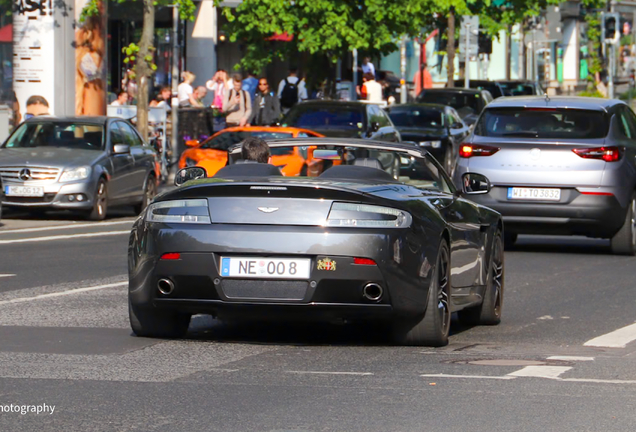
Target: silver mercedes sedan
84, 164
560, 165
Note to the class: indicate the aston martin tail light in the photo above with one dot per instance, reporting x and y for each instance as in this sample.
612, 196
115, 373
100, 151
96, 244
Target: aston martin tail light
193, 211
608, 154
364, 261
367, 216
470, 150
171, 256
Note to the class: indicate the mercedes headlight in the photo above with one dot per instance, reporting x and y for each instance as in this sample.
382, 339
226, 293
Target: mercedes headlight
193, 211
76, 174
367, 216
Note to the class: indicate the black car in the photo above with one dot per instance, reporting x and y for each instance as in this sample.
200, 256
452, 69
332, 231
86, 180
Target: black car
341, 119
469, 103
438, 128
495, 89
382, 235
521, 88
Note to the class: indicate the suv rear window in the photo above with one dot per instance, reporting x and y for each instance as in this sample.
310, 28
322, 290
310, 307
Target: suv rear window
542, 123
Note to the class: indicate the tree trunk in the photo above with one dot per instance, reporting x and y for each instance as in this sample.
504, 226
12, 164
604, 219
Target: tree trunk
508, 52
450, 48
143, 70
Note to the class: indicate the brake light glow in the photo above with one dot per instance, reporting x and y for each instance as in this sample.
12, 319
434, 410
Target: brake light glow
363, 261
608, 154
597, 193
470, 150
171, 256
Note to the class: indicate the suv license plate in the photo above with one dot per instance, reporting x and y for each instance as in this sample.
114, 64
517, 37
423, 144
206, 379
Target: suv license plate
534, 194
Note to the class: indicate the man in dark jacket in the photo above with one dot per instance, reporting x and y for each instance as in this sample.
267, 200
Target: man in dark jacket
266, 107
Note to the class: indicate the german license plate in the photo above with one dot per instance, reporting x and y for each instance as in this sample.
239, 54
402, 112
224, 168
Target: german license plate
24, 191
265, 268
535, 194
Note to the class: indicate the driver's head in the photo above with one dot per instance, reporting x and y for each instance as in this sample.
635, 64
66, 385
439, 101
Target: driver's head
255, 149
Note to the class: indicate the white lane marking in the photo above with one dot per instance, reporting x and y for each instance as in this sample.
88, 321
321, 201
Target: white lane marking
59, 227
6, 275
616, 339
468, 376
545, 317
570, 358
64, 237
551, 372
63, 293
330, 373
508, 377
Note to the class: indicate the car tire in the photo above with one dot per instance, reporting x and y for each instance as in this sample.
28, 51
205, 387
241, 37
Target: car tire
449, 160
150, 191
624, 241
100, 202
489, 311
509, 240
155, 323
433, 327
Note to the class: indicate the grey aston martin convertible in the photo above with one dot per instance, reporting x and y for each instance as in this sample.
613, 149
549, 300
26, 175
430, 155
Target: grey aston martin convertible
379, 233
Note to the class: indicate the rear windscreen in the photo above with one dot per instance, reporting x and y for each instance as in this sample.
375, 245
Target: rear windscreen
542, 123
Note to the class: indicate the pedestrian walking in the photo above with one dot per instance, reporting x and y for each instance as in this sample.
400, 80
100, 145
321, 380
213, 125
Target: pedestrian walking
367, 66
291, 90
423, 79
219, 85
371, 88
185, 90
266, 107
250, 85
237, 104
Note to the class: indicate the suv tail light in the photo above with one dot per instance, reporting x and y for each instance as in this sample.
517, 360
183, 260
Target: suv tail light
608, 154
470, 150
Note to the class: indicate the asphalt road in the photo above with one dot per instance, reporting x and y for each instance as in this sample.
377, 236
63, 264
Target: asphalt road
65, 342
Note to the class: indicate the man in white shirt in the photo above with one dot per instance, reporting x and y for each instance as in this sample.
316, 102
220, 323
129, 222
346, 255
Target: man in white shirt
367, 66
372, 88
294, 81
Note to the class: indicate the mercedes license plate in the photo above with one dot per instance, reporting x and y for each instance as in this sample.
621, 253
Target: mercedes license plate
535, 194
265, 268
24, 191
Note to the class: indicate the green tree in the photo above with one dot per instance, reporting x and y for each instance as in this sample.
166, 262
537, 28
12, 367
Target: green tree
141, 55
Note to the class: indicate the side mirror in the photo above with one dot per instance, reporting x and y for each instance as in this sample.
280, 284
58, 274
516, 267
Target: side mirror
192, 143
457, 125
375, 126
121, 149
475, 184
189, 173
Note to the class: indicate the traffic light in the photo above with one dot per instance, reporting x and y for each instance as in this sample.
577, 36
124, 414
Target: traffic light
484, 40
610, 27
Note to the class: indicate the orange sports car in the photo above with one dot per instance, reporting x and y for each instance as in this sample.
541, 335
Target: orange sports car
211, 154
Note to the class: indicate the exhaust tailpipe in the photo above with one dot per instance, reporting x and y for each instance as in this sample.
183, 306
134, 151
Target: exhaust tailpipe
372, 292
165, 286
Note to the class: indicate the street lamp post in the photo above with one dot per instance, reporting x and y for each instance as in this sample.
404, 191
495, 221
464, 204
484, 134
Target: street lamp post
467, 56
175, 83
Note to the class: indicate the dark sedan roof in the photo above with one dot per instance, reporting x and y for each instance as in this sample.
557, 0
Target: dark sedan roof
73, 119
435, 106
453, 90
334, 103
574, 102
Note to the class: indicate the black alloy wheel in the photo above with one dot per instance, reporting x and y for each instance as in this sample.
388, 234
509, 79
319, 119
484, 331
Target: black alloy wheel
624, 241
100, 202
449, 160
433, 327
150, 192
489, 311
